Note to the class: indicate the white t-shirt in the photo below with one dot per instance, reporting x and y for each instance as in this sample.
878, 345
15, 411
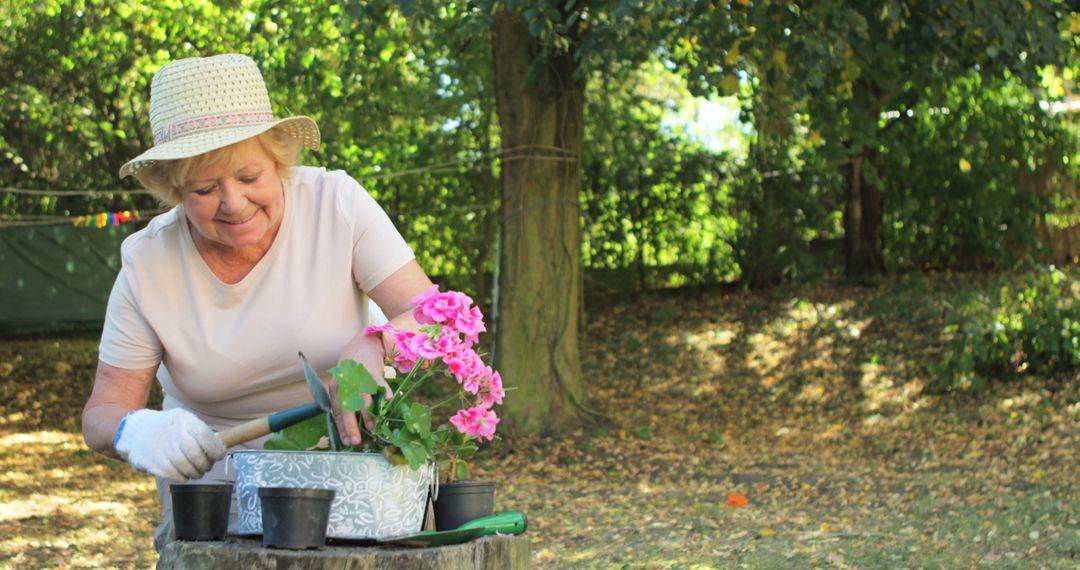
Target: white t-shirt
229, 352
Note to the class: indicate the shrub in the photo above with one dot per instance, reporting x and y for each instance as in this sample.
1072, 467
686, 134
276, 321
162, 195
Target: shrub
1031, 327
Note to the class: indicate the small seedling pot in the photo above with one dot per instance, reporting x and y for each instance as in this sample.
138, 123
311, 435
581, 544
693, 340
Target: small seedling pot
201, 512
462, 501
295, 518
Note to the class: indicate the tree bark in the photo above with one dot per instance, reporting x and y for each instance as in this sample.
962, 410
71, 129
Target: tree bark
862, 219
487, 553
539, 298
488, 186
863, 256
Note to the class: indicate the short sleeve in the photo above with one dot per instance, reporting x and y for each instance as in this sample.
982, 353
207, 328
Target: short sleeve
127, 339
378, 249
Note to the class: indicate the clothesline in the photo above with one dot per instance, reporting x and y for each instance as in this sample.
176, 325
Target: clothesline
513, 154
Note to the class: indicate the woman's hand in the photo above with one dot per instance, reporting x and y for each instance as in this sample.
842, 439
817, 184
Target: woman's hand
172, 444
368, 352
392, 296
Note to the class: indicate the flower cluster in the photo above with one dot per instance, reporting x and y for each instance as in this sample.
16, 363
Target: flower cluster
450, 326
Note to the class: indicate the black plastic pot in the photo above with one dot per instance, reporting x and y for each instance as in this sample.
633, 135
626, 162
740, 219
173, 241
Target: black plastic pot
462, 501
295, 518
201, 512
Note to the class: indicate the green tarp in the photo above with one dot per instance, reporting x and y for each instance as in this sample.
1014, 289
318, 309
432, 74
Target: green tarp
57, 278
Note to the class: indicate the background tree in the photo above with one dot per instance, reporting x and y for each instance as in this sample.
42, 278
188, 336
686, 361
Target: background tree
568, 106
542, 53
848, 62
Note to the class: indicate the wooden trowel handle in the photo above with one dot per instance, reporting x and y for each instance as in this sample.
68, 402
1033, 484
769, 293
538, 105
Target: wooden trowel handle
259, 427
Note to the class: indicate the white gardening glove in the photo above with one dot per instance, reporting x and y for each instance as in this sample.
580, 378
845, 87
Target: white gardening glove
172, 444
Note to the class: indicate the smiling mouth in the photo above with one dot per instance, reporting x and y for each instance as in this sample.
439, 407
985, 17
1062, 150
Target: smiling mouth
238, 222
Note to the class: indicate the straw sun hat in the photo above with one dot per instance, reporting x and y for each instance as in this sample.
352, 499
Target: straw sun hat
202, 104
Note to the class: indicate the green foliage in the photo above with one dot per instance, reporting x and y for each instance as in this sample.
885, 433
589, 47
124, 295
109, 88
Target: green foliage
650, 197
403, 94
304, 435
402, 430
786, 193
353, 380
843, 64
392, 98
787, 228
963, 174
1030, 328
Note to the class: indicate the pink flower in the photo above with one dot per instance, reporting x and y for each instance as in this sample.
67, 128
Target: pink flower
404, 365
406, 344
461, 421
447, 345
443, 307
471, 384
376, 329
485, 424
418, 305
422, 297
492, 393
470, 323
456, 365
477, 421
424, 347
451, 326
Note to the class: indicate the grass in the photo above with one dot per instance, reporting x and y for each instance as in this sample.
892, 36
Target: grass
814, 403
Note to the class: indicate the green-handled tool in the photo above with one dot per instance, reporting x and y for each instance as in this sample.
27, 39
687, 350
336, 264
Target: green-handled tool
509, 522
283, 419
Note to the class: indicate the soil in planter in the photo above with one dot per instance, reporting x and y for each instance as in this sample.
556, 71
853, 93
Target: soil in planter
201, 512
462, 501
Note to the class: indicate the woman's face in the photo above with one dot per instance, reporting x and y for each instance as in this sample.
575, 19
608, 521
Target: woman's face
237, 203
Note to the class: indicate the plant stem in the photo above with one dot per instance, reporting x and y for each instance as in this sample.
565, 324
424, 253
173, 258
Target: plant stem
406, 394
445, 401
395, 398
402, 393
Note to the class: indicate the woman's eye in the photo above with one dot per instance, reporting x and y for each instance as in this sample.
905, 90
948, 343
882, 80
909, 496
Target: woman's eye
249, 179
203, 191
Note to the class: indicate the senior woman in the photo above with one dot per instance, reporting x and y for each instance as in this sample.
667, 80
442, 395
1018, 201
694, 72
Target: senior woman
259, 259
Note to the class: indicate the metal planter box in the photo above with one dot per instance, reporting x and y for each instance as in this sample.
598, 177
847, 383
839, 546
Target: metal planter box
374, 499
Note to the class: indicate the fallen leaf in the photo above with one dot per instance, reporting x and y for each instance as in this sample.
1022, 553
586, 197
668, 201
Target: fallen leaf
736, 500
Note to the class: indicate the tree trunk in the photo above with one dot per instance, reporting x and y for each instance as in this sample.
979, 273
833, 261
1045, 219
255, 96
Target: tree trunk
538, 302
862, 213
487, 185
862, 219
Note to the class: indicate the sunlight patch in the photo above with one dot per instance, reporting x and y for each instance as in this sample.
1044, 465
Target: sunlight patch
709, 338
39, 438
45, 505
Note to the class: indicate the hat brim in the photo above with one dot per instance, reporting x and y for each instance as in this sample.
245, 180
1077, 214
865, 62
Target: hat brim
301, 128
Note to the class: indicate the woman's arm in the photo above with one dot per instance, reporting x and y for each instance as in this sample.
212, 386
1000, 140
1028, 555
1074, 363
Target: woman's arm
117, 391
392, 296
172, 444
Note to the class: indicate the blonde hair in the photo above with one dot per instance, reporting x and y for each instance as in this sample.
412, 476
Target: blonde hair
166, 178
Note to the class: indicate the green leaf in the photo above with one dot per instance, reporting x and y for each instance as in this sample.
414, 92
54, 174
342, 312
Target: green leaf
414, 450
461, 470
394, 456
303, 435
353, 380
419, 420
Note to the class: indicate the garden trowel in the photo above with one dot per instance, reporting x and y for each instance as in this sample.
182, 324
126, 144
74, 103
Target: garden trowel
509, 522
275, 422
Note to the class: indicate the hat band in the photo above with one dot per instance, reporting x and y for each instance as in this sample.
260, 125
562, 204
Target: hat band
176, 130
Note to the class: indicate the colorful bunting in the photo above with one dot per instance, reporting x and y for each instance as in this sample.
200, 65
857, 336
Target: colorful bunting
107, 219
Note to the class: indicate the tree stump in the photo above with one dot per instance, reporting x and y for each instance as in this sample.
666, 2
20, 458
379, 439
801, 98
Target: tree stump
489, 552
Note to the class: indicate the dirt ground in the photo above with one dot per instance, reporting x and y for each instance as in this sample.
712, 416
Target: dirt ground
795, 427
